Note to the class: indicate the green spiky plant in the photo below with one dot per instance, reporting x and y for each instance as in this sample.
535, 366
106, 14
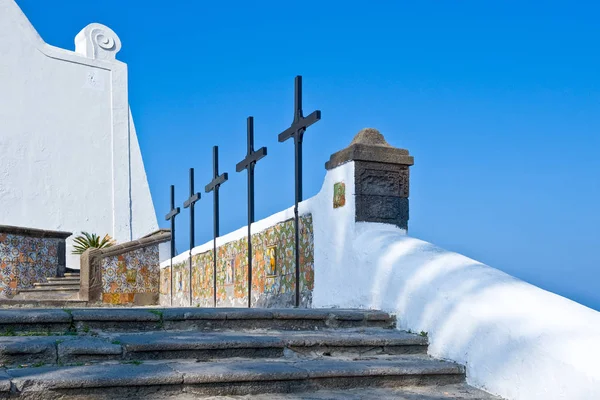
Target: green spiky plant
90, 241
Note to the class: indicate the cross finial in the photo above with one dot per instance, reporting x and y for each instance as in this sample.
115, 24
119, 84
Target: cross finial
251, 156
174, 210
300, 123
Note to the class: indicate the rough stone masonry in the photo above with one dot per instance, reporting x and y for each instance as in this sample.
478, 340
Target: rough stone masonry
381, 177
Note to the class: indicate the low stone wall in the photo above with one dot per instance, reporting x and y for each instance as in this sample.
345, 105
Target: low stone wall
273, 270
124, 274
28, 256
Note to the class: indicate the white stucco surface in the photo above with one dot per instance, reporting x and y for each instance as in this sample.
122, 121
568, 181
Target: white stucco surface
515, 339
70, 156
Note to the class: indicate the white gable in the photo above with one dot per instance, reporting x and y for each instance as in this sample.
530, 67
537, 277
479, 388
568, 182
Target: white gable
69, 155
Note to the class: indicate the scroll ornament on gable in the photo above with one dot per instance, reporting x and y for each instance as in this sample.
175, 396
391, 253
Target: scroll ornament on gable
98, 42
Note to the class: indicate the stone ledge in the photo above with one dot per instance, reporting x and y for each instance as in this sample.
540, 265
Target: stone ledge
361, 152
370, 145
91, 259
127, 247
33, 232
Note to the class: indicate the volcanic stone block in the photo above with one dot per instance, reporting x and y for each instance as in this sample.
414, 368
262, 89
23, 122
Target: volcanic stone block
381, 178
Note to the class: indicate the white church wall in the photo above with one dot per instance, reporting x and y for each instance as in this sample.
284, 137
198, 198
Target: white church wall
70, 156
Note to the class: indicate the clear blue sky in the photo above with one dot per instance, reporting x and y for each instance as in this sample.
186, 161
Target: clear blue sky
498, 101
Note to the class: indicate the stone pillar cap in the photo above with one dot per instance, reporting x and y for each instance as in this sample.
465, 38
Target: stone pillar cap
370, 145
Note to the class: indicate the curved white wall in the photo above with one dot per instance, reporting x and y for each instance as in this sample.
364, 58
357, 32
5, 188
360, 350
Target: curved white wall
70, 156
515, 339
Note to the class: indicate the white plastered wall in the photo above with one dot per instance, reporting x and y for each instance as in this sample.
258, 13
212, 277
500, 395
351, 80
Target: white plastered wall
515, 339
70, 159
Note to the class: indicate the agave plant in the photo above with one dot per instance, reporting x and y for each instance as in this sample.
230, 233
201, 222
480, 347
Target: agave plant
90, 241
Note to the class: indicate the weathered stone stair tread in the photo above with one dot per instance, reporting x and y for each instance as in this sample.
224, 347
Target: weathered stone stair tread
23, 350
57, 284
446, 392
220, 377
148, 319
35, 304
64, 278
63, 288
165, 341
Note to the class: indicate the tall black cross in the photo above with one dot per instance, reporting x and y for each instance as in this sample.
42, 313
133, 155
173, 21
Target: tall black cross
171, 216
190, 203
249, 163
296, 131
213, 186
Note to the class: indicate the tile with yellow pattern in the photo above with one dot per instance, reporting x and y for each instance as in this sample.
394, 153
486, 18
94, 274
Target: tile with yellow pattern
127, 274
273, 271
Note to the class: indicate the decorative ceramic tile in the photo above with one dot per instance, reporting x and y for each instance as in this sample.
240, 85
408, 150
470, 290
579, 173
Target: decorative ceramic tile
339, 194
26, 260
273, 270
127, 274
271, 261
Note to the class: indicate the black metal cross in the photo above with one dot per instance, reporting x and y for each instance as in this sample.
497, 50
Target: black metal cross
249, 163
213, 186
171, 216
189, 203
296, 131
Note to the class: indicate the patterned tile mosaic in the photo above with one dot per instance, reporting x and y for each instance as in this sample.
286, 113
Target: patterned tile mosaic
26, 260
128, 274
273, 271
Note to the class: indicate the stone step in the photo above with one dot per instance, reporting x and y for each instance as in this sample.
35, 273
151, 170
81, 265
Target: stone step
191, 318
57, 285
458, 391
63, 279
232, 377
204, 346
72, 275
45, 294
51, 288
58, 303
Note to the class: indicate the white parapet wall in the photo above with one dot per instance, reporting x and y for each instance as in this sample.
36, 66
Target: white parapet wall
515, 339
70, 156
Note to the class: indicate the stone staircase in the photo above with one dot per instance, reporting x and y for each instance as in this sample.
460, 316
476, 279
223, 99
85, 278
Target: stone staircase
56, 289
190, 353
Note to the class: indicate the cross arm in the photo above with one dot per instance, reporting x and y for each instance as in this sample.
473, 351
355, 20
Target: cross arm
302, 123
172, 213
252, 158
191, 200
219, 180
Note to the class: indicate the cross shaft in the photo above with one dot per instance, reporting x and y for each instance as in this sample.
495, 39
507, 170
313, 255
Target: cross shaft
249, 163
171, 216
214, 186
296, 131
189, 203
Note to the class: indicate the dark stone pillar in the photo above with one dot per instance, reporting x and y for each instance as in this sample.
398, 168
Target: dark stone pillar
381, 177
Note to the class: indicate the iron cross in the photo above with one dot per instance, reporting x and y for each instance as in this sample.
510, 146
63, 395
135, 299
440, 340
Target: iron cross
190, 203
214, 186
171, 217
296, 131
249, 163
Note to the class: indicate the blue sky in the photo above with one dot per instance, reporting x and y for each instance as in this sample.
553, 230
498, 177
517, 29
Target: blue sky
497, 101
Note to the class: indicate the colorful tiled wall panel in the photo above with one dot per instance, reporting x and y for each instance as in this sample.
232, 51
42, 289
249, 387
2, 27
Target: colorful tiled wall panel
26, 260
273, 271
131, 275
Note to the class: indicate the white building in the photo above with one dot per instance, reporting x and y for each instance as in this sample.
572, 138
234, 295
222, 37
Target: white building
69, 155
